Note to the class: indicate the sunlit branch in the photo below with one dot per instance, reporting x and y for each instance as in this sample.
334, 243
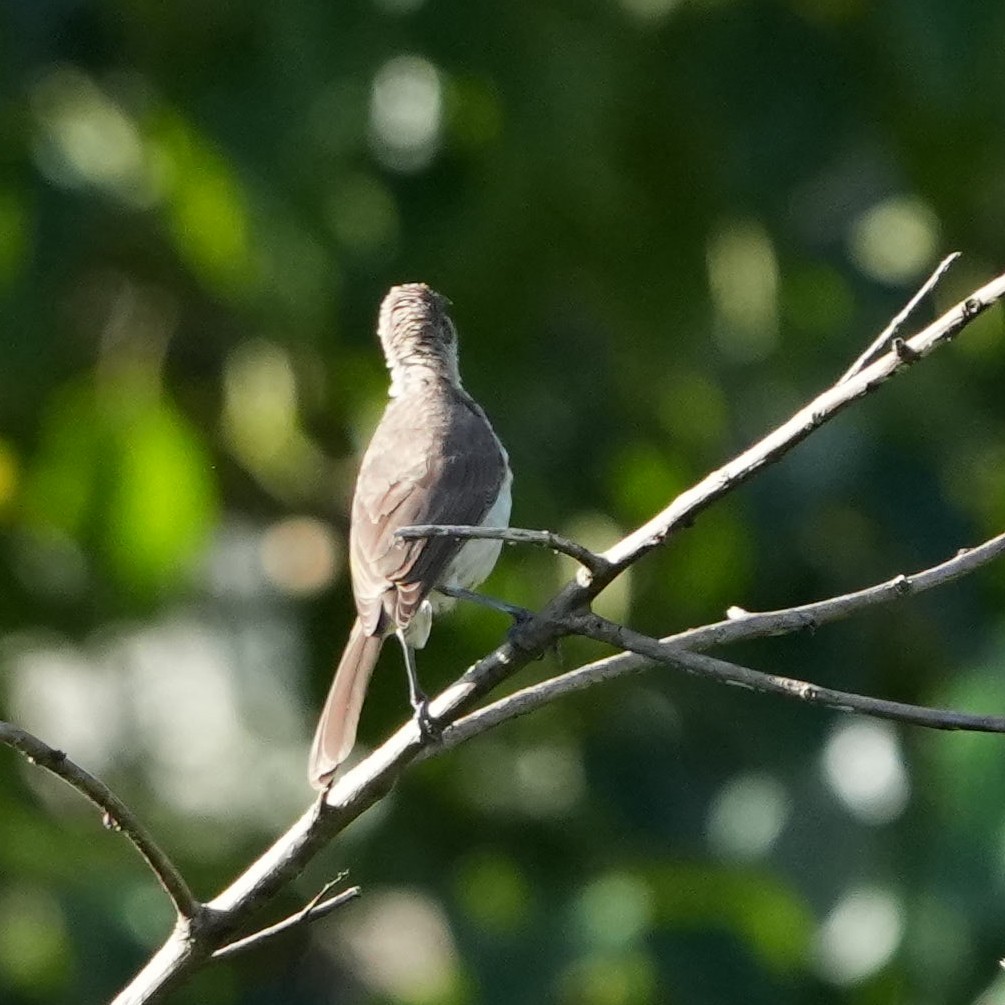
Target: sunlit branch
682, 511
358, 789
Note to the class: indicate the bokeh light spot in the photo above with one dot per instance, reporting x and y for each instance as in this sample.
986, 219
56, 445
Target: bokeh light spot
406, 112
864, 767
859, 936
300, 555
894, 241
747, 816
34, 955
743, 283
58, 693
85, 139
9, 474
494, 891
363, 215
549, 779
614, 910
14, 226
618, 979
649, 10
401, 945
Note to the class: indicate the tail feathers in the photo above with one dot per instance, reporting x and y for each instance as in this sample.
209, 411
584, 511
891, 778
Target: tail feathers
336, 732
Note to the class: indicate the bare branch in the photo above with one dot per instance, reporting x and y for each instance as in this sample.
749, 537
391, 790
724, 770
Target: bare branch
358, 789
115, 814
314, 909
732, 673
885, 338
748, 626
682, 511
644, 651
511, 535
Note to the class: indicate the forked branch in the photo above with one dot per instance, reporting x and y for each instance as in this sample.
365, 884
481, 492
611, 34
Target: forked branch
641, 652
352, 793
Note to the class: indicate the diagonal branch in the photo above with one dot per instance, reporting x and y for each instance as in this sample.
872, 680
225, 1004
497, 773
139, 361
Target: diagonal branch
682, 511
369, 781
115, 814
731, 673
744, 625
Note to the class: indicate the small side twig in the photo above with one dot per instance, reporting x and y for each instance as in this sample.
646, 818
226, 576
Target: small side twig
886, 337
511, 535
316, 907
115, 814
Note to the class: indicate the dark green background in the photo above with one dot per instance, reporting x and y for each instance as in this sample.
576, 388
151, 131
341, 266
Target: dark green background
664, 224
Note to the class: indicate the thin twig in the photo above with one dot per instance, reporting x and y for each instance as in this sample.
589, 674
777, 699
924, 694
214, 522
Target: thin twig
314, 909
115, 814
511, 535
731, 673
885, 338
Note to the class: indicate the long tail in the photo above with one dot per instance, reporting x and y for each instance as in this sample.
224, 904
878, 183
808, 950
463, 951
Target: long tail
336, 732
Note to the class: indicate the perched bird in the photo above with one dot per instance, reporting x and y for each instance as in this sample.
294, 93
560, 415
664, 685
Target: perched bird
433, 459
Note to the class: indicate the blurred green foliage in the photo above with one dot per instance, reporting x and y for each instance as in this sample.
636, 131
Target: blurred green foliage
664, 224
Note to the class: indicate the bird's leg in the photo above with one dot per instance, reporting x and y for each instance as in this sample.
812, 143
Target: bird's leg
517, 613
416, 696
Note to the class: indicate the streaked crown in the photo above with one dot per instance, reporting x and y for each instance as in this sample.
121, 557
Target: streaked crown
415, 330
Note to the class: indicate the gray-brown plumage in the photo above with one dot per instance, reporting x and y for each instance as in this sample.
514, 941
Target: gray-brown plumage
433, 459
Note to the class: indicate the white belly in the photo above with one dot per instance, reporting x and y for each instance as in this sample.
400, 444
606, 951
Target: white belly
476, 559
468, 570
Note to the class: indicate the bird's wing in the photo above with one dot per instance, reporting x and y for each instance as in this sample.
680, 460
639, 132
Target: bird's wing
432, 460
